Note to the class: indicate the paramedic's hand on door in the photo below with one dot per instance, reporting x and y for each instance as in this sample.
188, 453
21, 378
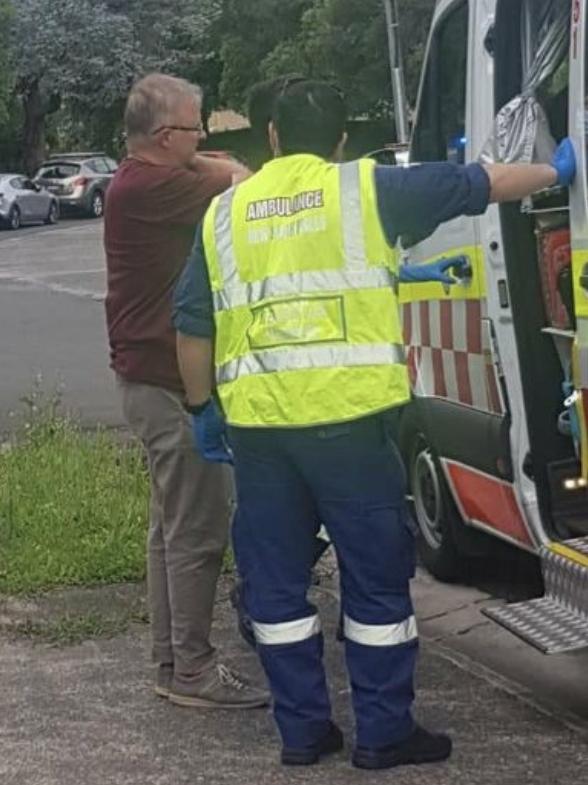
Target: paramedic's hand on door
564, 163
434, 271
209, 432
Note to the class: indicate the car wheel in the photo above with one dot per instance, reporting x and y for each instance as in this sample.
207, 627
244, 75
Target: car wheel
53, 214
14, 219
435, 512
97, 205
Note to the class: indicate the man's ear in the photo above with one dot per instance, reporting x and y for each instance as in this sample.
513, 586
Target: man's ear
163, 139
340, 149
273, 139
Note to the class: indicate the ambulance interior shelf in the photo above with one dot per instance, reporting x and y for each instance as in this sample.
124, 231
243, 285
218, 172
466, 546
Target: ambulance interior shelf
552, 232
553, 242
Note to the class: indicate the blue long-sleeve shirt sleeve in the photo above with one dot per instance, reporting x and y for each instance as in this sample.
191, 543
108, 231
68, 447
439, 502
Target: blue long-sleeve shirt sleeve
192, 312
412, 203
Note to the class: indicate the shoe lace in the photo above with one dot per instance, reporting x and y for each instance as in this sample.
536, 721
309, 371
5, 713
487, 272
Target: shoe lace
229, 678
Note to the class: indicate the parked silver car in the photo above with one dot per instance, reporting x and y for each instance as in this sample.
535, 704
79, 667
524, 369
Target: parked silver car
22, 201
79, 180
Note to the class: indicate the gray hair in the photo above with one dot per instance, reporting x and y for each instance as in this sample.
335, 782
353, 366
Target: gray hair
152, 101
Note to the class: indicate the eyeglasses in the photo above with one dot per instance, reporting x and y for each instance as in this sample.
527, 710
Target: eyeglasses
195, 129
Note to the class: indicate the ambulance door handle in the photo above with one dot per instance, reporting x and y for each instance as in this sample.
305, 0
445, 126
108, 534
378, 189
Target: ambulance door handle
584, 278
462, 269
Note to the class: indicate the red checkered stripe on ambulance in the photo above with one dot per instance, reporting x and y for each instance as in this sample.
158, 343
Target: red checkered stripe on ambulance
450, 353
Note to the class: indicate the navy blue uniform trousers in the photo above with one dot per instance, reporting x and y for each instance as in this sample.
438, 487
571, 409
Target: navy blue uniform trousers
350, 477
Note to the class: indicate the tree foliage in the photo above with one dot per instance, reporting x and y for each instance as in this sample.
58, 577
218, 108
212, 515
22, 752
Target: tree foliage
84, 54
341, 40
248, 33
6, 74
69, 63
80, 53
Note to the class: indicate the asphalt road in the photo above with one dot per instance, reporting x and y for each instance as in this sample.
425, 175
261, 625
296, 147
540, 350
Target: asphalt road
52, 284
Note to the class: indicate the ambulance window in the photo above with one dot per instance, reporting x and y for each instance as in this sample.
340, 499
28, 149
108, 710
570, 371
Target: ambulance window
440, 129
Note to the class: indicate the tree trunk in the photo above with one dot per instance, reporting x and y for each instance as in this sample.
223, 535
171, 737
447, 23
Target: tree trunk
34, 128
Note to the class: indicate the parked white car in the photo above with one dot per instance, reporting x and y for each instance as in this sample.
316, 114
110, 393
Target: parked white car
22, 202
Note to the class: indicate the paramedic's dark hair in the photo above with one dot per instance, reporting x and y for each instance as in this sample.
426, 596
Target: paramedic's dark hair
310, 117
262, 98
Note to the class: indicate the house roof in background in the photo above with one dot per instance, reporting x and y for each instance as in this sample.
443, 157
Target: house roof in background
226, 120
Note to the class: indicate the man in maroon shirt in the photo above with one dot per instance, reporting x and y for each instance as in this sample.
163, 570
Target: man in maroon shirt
155, 201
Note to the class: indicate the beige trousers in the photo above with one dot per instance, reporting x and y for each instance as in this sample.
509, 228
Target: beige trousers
189, 523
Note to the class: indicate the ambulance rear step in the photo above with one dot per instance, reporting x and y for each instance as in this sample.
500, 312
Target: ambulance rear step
557, 622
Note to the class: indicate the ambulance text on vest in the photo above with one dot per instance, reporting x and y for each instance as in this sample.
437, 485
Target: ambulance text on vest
284, 206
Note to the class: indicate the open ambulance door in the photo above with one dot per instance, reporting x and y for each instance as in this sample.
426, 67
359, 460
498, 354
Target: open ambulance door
455, 437
558, 622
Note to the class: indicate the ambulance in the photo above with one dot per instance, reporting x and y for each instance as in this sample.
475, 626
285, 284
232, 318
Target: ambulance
496, 438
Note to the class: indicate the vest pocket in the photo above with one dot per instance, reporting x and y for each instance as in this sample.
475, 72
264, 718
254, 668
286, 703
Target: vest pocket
297, 322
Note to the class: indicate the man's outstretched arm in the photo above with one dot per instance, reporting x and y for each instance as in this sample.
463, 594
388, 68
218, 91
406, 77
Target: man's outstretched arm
413, 201
512, 182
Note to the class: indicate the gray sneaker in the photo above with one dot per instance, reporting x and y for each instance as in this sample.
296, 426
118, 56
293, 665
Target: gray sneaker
217, 688
163, 679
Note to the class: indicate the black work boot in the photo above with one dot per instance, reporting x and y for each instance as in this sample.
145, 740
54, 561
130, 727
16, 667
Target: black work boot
331, 742
420, 747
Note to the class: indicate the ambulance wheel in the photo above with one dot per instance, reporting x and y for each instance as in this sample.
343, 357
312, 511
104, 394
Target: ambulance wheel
435, 513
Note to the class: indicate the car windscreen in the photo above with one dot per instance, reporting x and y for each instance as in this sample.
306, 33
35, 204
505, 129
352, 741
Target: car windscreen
58, 171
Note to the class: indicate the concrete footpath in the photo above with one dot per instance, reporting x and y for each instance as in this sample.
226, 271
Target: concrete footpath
85, 714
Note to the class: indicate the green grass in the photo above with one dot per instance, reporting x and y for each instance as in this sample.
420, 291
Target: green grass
73, 507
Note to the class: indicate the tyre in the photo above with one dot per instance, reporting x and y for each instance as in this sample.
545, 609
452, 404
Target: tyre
53, 214
97, 205
435, 512
14, 218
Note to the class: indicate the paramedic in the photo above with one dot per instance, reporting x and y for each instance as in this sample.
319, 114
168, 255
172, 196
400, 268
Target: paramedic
290, 293
259, 111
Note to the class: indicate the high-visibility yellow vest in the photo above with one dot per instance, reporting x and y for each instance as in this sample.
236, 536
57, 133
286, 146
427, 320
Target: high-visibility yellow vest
303, 283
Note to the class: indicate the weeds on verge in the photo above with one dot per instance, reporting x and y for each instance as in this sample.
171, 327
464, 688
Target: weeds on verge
73, 504
70, 630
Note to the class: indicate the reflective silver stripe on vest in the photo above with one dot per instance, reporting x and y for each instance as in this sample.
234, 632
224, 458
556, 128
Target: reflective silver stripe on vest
351, 217
301, 283
308, 357
380, 634
224, 239
286, 632
356, 273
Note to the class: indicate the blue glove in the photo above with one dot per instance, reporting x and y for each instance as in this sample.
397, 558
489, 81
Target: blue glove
564, 162
434, 271
209, 432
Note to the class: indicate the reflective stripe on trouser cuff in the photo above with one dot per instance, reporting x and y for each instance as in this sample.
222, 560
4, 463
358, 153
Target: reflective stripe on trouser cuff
309, 357
380, 634
287, 631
